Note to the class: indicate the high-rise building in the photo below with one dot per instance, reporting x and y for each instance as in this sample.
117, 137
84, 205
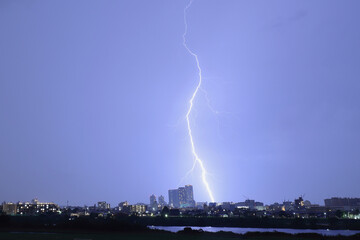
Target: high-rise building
174, 198
162, 202
152, 200
189, 193
189, 196
153, 203
182, 197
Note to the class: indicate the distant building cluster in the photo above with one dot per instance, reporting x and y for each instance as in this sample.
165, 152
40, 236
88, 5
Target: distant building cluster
182, 203
343, 203
30, 208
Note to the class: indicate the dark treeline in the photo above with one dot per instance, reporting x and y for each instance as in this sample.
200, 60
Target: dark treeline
61, 222
128, 223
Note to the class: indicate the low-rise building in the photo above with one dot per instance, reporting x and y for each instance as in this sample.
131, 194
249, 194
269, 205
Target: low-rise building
9, 208
138, 208
103, 205
342, 203
30, 208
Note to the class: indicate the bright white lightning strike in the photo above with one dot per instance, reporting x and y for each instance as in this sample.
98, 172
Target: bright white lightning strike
197, 159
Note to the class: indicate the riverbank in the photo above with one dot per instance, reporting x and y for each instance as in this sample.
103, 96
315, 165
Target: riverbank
253, 222
132, 227
324, 232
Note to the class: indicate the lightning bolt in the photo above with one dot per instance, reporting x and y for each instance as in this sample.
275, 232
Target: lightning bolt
191, 102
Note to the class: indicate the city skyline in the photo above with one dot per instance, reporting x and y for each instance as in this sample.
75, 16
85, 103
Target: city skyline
183, 197
95, 97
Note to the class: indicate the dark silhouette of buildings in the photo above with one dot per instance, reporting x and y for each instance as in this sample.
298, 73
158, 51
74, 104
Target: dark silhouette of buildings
342, 203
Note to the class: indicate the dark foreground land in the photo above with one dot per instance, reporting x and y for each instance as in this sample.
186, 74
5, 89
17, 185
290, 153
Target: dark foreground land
162, 235
62, 228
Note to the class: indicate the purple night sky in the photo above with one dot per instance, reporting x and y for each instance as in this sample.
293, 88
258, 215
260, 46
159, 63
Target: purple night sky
93, 97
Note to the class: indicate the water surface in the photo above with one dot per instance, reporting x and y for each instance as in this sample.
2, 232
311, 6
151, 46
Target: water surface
326, 232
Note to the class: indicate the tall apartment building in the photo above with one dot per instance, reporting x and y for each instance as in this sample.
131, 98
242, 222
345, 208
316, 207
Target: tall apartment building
182, 197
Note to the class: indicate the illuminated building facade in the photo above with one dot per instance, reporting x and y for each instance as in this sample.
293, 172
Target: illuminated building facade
138, 208
174, 198
182, 197
9, 208
103, 205
30, 208
189, 196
